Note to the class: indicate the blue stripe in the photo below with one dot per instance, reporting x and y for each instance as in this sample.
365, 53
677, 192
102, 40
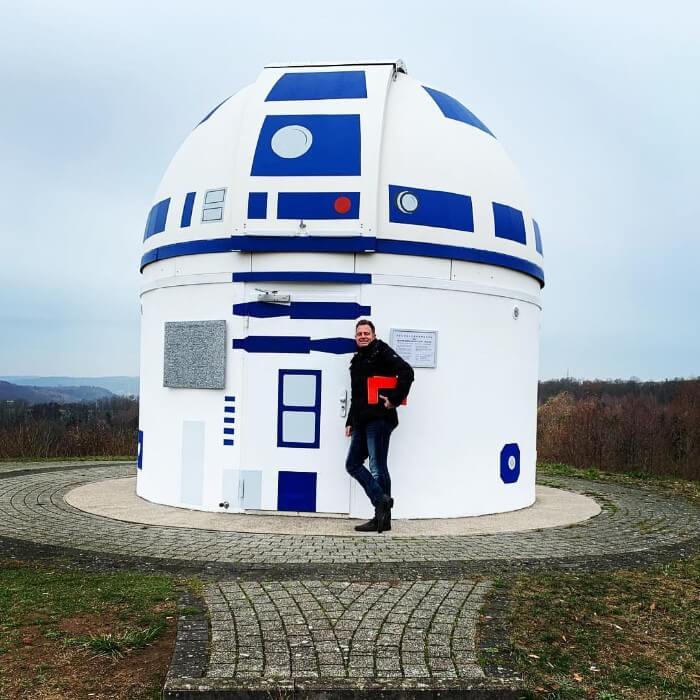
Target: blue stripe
229, 420
303, 244
307, 276
435, 208
228, 431
354, 244
257, 205
316, 205
331, 85
453, 109
436, 250
157, 218
508, 223
334, 149
229, 409
229, 398
228, 443
303, 309
294, 344
186, 219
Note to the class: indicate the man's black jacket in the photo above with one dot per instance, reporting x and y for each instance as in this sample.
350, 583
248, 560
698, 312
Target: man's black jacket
377, 360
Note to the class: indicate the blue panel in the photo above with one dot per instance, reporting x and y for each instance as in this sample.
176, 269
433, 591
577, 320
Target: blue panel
229, 409
229, 431
309, 276
302, 309
302, 244
435, 208
334, 346
273, 343
315, 409
214, 110
335, 146
509, 223
228, 443
538, 237
345, 244
296, 491
228, 419
510, 463
139, 451
453, 109
318, 205
332, 85
157, 218
186, 219
229, 398
257, 205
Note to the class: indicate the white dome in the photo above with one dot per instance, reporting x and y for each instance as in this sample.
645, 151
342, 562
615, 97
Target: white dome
344, 158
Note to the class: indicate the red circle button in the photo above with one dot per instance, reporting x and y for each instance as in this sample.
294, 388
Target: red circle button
342, 205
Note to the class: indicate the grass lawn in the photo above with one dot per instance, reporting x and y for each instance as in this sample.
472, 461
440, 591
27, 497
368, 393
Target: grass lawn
70, 634
609, 635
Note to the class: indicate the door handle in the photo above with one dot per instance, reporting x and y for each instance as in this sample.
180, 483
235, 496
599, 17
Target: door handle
344, 404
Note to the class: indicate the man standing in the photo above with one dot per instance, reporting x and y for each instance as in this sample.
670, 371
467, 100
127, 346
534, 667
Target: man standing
370, 424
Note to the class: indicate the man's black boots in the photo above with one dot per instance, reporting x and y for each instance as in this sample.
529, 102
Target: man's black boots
383, 514
369, 526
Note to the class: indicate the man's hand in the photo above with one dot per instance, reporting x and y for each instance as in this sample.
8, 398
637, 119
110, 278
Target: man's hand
348, 430
387, 403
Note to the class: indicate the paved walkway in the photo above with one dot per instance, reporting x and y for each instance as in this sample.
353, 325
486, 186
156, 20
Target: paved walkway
300, 615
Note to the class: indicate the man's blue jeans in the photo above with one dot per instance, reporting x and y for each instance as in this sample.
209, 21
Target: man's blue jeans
370, 440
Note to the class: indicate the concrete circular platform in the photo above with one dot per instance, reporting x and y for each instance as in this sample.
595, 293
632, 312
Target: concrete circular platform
633, 523
117, 499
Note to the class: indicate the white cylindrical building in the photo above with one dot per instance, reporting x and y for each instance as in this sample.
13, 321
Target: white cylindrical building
316, 196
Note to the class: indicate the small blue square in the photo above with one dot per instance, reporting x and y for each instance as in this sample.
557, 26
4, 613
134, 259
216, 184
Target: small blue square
509, 223
257, 205
296, 491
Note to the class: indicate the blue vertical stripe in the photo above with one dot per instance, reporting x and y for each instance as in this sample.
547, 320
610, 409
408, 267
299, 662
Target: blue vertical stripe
186, 219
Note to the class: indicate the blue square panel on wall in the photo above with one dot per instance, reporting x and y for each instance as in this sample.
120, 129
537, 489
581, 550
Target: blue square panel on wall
296, 491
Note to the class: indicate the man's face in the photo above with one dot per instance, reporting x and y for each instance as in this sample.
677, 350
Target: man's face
364, 335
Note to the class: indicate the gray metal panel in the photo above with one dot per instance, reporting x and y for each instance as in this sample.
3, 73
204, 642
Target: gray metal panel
194, 354
192, 462
251, 489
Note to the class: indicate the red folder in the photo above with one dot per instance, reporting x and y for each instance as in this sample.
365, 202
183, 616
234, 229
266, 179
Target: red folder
374, 384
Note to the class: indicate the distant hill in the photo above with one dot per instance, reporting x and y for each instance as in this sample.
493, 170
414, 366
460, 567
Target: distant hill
63, 394
124, 386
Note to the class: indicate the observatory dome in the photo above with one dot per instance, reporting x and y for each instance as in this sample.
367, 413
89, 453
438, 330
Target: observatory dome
316, 196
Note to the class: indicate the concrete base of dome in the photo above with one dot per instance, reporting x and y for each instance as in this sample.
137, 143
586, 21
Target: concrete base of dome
117, 499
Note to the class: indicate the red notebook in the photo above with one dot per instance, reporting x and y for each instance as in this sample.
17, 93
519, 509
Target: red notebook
374, 384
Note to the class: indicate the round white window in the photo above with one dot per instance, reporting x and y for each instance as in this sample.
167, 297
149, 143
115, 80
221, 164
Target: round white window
407, 202
511, 462
291, 141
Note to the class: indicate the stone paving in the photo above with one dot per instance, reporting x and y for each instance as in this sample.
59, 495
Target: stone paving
32, 508
327, 616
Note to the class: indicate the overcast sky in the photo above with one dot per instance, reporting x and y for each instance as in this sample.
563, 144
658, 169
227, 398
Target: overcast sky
598, 104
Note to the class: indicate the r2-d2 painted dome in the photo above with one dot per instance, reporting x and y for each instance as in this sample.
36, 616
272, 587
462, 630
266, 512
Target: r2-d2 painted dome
316, 196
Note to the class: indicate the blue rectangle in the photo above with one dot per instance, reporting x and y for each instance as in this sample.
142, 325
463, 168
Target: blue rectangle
327, 85
318, 205
296, 491
257, 205
298, 244
229, 398
139, 451
228, 443
334, 148
411, 205
229, 420
453, 109
315, 408
509, 223
228, 431
538, 237
186, 219
157, 218
229, 409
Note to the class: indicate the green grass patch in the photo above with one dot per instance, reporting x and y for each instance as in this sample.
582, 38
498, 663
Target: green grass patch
116, 645
608, 635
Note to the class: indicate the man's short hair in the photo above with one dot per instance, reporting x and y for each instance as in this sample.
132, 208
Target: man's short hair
365, 322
